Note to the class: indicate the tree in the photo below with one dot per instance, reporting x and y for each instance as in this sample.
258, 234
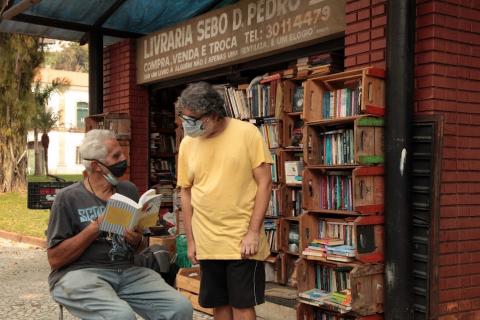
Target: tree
73, 58
19, 58
45, 119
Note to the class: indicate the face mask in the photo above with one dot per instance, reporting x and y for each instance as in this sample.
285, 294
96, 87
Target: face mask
115, 170
193, 130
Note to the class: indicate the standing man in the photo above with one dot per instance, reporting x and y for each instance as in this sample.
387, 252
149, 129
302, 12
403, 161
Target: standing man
93, 274
224, 170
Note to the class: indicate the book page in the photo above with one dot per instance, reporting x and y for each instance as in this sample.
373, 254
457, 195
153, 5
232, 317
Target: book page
145, 196
149, 216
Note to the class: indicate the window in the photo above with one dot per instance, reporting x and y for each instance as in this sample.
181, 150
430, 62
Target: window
82, 112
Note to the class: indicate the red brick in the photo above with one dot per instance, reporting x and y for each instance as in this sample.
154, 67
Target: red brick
350, 39
449, 283
357, 5
377, 55
448, 247
449, 295
363, 14
379, 21
470, 235
363, 36
378, 10
448, 223
448, 212
377, 33
357, 49
350, 18
357, 27
425, 8
363, 58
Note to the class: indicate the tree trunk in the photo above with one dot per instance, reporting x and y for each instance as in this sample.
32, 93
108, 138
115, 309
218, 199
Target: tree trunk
12, 171
36, 148
45, 143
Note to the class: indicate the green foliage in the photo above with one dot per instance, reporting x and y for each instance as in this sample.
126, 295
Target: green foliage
46, 119
73, 58
20, 57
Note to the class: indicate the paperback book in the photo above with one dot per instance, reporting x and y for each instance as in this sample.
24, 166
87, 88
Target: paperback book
123, 213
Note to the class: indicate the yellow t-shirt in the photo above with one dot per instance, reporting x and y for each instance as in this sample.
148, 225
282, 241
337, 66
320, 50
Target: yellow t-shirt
219, 171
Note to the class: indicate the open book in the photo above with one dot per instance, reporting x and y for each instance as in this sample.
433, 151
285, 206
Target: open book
124, 213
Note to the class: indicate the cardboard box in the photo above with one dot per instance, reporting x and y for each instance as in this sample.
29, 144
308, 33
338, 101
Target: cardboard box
167, 241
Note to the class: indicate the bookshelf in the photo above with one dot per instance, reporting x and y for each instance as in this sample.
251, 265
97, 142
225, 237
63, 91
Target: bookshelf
341, 232
162, 158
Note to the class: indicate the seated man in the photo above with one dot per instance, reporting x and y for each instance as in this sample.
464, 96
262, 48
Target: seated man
93, 274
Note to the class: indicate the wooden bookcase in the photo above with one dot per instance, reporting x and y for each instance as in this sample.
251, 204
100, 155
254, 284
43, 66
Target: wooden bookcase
343, 194
366, 86
116, 122
344, 142
366, 282
355, 105
362, 189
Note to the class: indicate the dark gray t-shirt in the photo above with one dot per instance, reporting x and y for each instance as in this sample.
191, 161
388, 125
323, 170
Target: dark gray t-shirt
73, 209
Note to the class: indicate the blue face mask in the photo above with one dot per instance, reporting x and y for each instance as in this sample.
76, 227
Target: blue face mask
193, 128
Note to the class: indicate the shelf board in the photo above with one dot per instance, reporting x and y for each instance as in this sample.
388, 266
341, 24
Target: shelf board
162, 130
164, 155
334, 121
293, 185
294, 219
293, 149
340, 212
331, 167
292, 253
297, 113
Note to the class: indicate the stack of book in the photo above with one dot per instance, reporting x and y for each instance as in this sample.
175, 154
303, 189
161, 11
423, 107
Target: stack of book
333, 249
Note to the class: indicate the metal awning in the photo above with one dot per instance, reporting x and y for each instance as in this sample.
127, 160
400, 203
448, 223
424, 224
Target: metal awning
72, 20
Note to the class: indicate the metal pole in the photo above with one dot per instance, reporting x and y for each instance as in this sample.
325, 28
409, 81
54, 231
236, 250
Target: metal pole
95, 72
399, 93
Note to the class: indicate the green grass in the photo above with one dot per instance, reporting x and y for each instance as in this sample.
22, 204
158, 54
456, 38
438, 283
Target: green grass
67, 177
16, 217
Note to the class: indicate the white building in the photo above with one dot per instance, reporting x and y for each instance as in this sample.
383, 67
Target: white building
63, 157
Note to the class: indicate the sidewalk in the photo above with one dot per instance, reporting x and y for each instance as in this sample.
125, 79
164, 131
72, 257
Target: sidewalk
24, 291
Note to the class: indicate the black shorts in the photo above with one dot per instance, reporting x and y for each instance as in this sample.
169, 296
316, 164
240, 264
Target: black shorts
238, 283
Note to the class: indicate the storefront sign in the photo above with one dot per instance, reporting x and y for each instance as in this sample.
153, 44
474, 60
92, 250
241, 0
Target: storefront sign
248, 29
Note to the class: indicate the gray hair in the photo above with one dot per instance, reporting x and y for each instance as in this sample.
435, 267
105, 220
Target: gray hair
93, 146
201, 98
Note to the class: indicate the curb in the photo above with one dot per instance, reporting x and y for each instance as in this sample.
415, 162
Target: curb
39, 242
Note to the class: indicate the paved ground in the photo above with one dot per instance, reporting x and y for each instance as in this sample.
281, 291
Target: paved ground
23, 284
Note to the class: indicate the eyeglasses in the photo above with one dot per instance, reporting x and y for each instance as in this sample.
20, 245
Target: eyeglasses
191, 120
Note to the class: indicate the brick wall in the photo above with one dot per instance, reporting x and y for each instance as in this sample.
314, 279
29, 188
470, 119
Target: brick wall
121, 94
365, 33
447, 82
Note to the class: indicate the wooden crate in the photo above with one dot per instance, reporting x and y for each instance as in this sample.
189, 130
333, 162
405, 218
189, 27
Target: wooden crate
366, 283
368, 235
371, 86
367, 189
308, 312
365, 145
188, 284
116, 122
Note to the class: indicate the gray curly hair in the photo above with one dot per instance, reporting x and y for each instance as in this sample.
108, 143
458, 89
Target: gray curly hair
201, 98
93, 146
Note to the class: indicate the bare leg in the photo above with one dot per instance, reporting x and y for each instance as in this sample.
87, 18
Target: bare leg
244, 313
223, 313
